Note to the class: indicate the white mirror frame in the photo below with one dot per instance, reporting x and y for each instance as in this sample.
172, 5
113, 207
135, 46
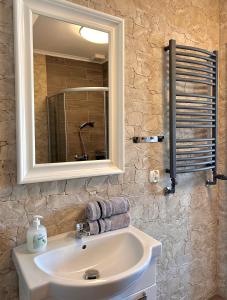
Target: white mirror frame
28, 171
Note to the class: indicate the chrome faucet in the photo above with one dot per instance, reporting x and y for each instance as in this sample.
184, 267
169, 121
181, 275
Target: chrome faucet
81, 230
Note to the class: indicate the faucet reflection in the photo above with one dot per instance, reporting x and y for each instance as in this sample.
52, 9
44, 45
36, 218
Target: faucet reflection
84, 155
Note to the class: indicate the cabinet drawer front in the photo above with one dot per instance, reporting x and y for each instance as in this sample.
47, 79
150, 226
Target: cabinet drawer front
147, 294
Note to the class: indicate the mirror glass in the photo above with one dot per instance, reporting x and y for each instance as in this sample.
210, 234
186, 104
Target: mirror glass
70, 91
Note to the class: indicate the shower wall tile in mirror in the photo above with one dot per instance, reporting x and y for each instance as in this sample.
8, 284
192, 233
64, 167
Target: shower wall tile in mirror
71, 92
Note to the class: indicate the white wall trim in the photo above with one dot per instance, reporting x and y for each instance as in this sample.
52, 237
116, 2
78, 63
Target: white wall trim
28, 170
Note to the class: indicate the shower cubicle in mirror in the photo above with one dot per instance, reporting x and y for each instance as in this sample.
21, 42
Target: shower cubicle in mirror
72, 112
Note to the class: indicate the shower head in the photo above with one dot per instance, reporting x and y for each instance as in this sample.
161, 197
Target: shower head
87, 124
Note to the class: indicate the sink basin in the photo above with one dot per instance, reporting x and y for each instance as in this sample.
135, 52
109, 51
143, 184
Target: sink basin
115, 260
70, 262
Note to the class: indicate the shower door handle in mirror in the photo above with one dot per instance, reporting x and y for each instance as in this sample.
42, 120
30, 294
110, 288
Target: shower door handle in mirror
69, 90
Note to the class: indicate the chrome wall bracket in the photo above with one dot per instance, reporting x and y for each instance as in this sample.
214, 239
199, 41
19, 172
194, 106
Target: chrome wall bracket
148, 139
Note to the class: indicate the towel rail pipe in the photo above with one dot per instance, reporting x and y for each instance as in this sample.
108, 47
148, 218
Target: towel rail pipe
194, 152
195, 146
197, 69
194, 101
196, 164
195, 107
194, 62
194, 114
179, 79
172, 123
195, 158
195, 170
194, 140
196, 120
194, 95
195, 75
207, 58
195, 49
195, 126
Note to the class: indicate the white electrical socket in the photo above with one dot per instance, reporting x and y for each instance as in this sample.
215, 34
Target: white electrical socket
154, 176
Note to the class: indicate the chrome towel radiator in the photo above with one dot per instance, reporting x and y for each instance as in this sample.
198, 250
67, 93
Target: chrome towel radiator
193, 106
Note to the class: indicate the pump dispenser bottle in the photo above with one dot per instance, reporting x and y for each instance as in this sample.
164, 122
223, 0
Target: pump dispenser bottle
36, 236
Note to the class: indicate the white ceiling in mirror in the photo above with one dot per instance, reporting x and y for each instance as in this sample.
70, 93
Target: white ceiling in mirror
63, 38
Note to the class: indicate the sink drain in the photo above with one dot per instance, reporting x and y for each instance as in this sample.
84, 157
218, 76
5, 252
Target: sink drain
91, 274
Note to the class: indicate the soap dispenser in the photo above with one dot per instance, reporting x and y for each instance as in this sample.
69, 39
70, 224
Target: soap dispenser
36, 236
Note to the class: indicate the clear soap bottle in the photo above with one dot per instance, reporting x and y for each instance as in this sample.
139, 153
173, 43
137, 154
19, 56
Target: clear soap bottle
36, 236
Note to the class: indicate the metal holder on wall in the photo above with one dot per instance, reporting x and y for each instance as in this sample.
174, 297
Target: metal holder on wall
148, 139
194, 111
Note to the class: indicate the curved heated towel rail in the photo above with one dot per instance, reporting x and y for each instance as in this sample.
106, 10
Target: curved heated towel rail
193, 106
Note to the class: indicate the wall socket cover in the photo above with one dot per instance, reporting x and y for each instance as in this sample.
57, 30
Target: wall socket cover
154, 176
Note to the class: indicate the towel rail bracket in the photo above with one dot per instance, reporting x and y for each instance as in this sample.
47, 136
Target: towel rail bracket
171, 189
215, 177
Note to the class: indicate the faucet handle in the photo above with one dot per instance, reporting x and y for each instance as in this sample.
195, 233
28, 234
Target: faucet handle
86, 229
87, 232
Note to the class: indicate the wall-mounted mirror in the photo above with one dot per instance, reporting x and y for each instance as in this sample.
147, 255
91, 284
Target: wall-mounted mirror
69, 67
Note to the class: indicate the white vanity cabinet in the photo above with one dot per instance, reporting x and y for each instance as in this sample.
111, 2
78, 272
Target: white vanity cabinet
125, 261
144, 288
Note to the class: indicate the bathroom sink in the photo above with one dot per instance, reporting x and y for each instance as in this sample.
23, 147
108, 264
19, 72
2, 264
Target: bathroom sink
92, 268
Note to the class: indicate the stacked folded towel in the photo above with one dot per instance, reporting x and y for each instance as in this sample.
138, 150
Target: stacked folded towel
107, 215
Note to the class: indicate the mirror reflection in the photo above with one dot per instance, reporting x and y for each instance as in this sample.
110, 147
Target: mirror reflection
70, 91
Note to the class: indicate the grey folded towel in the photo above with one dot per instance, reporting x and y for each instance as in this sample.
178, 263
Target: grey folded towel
120, 205
93, 227
109, 208
120, 221
109, 224
102, 225
106, 208
93, 211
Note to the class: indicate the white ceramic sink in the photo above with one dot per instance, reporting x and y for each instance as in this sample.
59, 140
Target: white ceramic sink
120, 257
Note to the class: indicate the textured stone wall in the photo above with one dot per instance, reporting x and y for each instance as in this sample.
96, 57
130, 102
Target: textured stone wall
184, 222
65, 73
222, 187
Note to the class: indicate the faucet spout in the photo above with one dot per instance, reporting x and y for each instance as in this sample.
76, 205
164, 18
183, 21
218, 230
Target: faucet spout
81, 231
